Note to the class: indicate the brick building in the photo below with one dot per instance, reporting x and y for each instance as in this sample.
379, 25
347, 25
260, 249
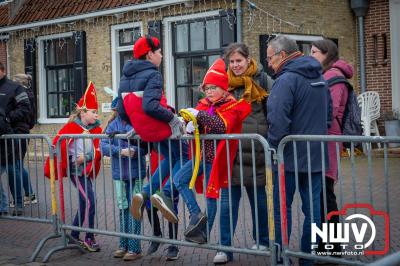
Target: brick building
382, 27
66, 43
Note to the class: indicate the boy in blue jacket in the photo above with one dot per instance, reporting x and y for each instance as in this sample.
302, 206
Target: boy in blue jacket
128, 166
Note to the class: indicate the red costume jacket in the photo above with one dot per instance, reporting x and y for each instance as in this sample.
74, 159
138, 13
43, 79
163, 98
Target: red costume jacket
232, 113
92, 167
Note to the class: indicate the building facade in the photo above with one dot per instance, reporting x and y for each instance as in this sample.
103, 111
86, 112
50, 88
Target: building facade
64, 44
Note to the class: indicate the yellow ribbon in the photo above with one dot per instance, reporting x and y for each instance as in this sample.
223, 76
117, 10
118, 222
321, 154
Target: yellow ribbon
188, 116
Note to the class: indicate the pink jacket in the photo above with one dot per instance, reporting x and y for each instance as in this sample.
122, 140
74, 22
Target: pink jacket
339, 94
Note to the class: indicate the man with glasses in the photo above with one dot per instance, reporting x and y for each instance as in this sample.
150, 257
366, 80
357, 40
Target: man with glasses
297, 105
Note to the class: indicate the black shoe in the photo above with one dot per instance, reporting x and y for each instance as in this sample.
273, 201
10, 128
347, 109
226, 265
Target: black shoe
153, 247
197, 223
3, 213
172, 253
198, 236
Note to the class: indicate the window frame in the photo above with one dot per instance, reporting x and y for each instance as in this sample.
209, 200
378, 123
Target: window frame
43, 115
116, 49
169, 47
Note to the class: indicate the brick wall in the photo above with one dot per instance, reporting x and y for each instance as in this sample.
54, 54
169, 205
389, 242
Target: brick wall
3, 53
332, 19
378, 74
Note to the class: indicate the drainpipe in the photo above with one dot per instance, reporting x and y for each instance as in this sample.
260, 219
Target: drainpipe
239, 20
360, 8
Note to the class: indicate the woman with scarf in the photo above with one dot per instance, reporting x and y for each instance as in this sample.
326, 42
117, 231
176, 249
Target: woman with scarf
247, 81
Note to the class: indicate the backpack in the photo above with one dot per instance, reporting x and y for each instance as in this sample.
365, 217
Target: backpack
351, 122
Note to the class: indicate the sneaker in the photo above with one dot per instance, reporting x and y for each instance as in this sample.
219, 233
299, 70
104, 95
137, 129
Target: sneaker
172, 253
221, 258
130, 256
197, 223
165, 206
260, 247
197, 236
30, 200
138, 205
12, 205
153, 247
91, 245
18, 212
119, 253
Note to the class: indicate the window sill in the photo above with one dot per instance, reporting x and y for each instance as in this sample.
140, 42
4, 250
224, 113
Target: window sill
44, 121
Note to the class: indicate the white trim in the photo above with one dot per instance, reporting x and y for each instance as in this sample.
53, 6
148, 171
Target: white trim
297, 37
168, 58
115, 49
42, 80
106, 12
394, 10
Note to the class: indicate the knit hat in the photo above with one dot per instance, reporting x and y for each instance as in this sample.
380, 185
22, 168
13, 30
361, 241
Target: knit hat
144, 45
89, 99
216, 75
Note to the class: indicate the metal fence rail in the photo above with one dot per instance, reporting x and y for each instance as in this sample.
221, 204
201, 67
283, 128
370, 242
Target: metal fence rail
363, 192
32, 197
108, 216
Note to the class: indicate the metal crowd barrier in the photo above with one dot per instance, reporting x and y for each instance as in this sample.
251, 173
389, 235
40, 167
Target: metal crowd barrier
30, 196
366, 187
106, 220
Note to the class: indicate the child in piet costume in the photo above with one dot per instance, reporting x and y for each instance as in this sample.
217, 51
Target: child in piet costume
83, 157
217, 113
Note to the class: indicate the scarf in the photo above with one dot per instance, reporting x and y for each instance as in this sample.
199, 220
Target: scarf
288, 58
252, 91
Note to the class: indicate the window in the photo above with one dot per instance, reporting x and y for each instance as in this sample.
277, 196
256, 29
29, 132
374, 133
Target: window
60, 94
123, 37
196, 44
62, 74
303, 41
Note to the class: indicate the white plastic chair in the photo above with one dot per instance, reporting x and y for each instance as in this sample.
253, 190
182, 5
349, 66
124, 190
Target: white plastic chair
370, 112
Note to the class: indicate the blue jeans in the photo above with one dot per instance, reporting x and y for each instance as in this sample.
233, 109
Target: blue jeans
163, 169
236, 194
26, 182
182, 180
3, 193
14, 181
290, 184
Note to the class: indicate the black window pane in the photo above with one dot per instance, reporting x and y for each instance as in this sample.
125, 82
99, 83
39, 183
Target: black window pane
50, 53
212, 58
200, 66
128, 36
213, 35
197, 36
181, 38
185, 98
61, 51
70, 51
183, 67
228, 32
51, 80
124, 57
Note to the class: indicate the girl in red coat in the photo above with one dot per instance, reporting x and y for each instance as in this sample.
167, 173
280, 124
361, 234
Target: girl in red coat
218, 113
84, 159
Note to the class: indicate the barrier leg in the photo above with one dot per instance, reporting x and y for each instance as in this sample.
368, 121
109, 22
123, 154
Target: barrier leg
66, 240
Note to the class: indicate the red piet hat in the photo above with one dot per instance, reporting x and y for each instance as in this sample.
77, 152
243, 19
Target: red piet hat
89, 99
144, 45
216, 75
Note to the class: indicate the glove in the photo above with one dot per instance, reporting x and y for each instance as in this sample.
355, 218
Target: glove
189, 127
193, 111
176, 127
